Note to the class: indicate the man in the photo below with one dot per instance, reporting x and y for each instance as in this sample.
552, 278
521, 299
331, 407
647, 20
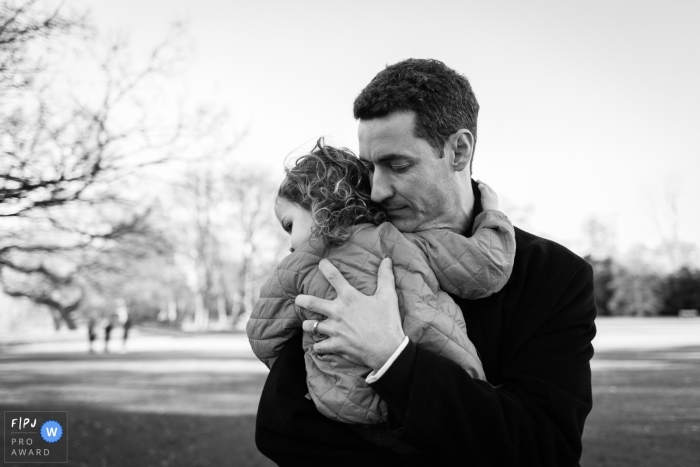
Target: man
417, 130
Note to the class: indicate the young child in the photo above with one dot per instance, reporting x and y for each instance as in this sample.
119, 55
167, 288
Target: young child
324, 204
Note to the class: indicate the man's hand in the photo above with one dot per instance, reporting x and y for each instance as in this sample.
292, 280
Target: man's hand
363, 329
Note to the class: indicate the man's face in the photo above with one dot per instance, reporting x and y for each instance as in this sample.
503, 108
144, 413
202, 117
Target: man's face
411, 183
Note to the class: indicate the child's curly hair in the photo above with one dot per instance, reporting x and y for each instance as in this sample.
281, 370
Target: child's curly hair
334, 186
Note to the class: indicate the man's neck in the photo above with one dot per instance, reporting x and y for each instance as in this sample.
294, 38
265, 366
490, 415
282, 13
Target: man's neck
458, 215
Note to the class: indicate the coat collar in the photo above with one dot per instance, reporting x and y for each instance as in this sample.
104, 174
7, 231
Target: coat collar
476, 209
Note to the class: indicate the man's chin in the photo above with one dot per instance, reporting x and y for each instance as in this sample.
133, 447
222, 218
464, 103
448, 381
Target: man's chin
402, 223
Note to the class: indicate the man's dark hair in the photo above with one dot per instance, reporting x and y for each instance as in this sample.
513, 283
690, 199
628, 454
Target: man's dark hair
441, 98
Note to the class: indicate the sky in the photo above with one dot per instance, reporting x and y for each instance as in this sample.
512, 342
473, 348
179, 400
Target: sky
589, 110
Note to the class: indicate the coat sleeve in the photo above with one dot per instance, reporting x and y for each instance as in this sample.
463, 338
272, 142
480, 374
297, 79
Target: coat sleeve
471, 267
274, 320
535, 416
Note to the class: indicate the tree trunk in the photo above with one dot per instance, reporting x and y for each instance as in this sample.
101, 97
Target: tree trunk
221, 309
65, 312
172, 310
201, 313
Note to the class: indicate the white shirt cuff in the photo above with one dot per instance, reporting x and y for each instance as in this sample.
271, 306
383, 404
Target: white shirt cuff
375, 375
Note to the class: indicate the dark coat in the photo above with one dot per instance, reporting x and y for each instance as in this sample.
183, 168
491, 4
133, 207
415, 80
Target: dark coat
534, 338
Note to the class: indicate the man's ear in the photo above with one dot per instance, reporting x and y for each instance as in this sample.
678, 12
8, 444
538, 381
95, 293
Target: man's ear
461, 146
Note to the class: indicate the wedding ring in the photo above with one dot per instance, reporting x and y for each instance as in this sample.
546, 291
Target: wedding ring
315, 328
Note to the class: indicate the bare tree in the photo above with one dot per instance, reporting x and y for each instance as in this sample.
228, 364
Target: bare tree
67, 166
251, 195
23, 24
226, 238
666, 215
600, 238
199, 246
635, 293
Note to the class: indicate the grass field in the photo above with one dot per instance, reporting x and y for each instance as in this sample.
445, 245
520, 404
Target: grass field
646, 394
183, 400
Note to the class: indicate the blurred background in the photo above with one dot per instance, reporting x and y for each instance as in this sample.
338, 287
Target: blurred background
141, 143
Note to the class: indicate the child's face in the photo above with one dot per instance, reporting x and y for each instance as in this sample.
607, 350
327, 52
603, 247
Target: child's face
296, 221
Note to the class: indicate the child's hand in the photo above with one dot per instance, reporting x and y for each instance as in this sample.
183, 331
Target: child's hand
489, 198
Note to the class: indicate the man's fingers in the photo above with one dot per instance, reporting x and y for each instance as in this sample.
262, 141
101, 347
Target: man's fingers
323, 347
334, 276
336, 279
385, 276
308, 325
315, 304
323, 328
328, 348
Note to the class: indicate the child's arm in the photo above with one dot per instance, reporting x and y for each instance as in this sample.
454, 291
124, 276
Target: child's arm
477, 266
274, 320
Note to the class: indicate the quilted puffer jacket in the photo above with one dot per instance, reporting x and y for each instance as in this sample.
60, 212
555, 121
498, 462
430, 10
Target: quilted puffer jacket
427, 266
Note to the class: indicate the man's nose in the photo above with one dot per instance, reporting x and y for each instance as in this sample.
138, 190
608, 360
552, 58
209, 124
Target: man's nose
381, 189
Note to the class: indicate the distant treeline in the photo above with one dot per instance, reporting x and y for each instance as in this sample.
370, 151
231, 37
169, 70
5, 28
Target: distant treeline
624, 291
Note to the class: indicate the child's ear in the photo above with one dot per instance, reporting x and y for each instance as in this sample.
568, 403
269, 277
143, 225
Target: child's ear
461, 145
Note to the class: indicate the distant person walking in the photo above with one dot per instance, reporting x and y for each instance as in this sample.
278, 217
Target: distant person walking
92, 335
108, 331
127, 325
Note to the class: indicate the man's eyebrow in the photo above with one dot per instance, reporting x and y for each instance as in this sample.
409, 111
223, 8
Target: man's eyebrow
387, 158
